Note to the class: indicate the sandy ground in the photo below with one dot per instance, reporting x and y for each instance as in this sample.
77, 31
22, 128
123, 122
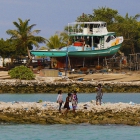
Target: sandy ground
4, 75
116, 77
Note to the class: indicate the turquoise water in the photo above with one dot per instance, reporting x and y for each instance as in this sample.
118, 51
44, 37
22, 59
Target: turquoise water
70, 132
108, 97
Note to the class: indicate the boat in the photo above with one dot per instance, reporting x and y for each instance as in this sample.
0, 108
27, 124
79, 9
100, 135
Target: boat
89, 40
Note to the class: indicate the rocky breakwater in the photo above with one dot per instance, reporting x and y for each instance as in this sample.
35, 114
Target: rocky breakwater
87, 112
67, 85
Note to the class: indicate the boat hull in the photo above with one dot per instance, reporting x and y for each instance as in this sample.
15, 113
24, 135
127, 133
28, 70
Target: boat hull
96, 53
49, 53
90, 53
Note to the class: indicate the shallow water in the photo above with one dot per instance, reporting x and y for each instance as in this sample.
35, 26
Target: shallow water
82, 97
69, 132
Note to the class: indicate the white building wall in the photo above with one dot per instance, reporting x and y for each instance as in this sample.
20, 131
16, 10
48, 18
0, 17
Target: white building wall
6, 60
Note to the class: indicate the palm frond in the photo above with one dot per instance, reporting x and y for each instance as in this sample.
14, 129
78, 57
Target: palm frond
24, 37
34, 32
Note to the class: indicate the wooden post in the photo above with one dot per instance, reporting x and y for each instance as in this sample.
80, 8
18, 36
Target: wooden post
69, 64
136, 62
98, 60
106, 63
120, 64
84, 62
130, 62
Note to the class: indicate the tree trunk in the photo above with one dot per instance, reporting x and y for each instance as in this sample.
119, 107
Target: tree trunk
12, 58
29, 56
133, 49
3, 62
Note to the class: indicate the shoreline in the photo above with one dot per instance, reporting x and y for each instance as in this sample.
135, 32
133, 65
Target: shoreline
48, 86
87, 112
128, 82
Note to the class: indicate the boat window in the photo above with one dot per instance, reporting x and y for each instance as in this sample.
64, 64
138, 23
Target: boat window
91, 27
105, 25
96, 25
112, 37
97, 40
85, 26
108, 39
102, 25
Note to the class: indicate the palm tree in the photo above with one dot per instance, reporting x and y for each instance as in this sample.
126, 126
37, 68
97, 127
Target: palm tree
57, 41
65, 38
43, 48
24, 36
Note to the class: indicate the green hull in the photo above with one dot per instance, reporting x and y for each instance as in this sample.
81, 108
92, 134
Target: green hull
49, 53
91, 53
95, 53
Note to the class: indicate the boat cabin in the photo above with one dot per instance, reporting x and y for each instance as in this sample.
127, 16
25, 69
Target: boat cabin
91, 35
87, 28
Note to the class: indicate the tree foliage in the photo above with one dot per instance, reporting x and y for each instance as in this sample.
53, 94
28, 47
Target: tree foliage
57, 41
24, 37
129, 28
22, 73
7, 48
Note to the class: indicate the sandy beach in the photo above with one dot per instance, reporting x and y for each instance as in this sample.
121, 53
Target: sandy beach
124, 82
114, 77
130, 76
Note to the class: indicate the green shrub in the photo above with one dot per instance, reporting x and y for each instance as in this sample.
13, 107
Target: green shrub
21, 72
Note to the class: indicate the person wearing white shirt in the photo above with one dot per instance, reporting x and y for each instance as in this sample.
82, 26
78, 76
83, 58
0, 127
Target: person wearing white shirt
60, 99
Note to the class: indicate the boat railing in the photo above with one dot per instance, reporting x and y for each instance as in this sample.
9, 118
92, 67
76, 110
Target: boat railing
75, 31
100, 30
88, 31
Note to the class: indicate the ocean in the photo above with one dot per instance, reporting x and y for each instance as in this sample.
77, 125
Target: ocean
69, 132
82, 97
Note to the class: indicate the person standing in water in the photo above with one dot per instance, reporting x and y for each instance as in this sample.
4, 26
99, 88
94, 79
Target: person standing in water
74, 101
66, 105
60, 99
99, 94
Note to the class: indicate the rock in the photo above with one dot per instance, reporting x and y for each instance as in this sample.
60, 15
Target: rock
108, 113
33, 86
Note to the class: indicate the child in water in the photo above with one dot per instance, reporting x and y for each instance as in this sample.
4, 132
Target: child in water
60, 99
99, 94
66, 105
74, 101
